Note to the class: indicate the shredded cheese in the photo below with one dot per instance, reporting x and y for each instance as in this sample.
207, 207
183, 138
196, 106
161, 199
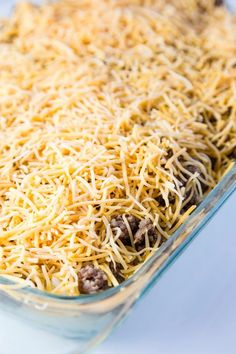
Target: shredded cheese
103, 106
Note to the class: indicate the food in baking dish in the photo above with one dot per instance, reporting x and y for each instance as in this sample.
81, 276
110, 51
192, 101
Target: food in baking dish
116, 118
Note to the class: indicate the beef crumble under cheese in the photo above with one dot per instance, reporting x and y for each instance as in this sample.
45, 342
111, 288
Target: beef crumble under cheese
116, 118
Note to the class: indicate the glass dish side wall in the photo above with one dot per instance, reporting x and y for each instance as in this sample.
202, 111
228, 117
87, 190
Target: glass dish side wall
89, 319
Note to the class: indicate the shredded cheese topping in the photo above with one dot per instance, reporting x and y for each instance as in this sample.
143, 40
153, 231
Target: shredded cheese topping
103, 106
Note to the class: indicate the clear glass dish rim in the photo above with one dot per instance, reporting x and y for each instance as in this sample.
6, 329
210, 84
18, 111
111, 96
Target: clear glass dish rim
86, 299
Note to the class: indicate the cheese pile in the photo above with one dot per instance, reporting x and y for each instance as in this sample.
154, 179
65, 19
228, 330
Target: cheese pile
103, 105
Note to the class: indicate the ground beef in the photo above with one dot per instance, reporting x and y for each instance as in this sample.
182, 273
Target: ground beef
145, 227
116, 271
213, 162
233, 154
92, 280
194, 200
135, 262
139, 230
219, 2
195, 169
162, 202
117, 223
169, 154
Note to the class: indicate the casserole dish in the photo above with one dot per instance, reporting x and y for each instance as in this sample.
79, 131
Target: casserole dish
89, 319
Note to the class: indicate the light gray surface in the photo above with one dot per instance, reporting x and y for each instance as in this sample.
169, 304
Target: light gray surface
191, 310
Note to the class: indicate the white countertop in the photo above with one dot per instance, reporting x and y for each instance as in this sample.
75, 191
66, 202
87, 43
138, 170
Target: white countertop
190, 310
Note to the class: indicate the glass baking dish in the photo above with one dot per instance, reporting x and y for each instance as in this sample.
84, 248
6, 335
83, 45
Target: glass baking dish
89, 319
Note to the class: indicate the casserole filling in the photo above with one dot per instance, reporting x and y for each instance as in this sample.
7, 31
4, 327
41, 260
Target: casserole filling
116, 118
